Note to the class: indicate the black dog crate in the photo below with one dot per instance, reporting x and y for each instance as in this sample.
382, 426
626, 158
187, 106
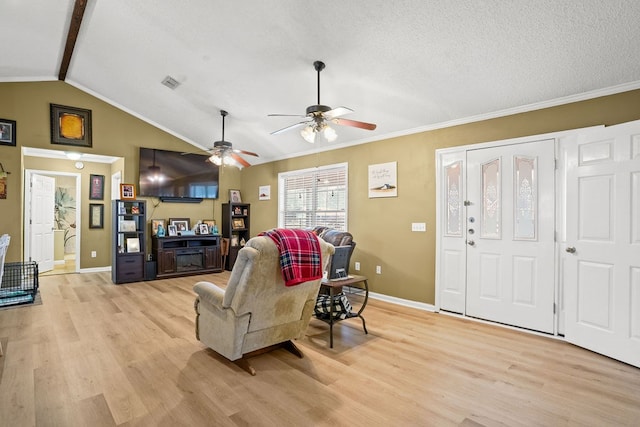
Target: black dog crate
19, 283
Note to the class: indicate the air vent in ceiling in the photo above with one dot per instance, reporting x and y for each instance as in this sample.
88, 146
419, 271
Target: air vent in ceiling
170, 82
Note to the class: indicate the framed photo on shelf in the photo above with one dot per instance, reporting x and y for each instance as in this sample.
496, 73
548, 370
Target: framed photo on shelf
127, 226
234, 196
203, 229
96, 215
127, 192
181, 224
210, 223
70, 126
172, 230
155, 224
8, 132
234, 240
96, 190
133, 244
238, 223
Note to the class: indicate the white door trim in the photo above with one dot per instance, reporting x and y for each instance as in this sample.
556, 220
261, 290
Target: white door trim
27, 211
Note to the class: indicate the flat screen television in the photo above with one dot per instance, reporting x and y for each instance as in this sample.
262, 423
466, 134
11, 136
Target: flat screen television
177, 177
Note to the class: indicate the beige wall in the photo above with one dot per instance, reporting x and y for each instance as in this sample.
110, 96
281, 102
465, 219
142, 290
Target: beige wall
115, 133
381, 227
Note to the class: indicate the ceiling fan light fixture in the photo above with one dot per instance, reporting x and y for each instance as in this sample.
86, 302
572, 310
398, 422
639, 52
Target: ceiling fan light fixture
216, 160
309, 133
329, 133
154, 174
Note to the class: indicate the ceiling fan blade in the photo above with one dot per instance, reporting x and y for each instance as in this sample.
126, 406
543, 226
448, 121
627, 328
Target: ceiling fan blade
297, 125
285, 115
240, 160
354, 123
248, 153
336, 112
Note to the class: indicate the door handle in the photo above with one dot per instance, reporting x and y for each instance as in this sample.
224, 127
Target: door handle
571, 250
471, 243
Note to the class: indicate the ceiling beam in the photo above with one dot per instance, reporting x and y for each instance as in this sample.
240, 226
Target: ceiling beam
72, 36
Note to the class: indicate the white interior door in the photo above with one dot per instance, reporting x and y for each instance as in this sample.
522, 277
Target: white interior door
41, 215
510, 234
601, 254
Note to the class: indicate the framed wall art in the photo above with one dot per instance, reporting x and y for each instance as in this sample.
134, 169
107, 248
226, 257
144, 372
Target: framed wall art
96, 190
127, 191
96, 215
7, 132
70, 126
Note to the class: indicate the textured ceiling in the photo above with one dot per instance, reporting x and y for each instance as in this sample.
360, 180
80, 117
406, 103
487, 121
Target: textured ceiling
404, 65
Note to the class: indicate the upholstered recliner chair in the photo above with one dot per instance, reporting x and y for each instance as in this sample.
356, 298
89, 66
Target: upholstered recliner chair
336, 238
256, 311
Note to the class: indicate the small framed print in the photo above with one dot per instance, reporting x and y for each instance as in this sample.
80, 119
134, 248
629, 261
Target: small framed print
181, 224
235, 196
238, 223
127, 191
96, 215
157, 224
96, 190
203, 229
70, 126
172, 230
133, 244
8, 132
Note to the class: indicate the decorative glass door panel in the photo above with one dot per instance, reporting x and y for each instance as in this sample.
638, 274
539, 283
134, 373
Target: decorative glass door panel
491, 200
525, 198
453, 204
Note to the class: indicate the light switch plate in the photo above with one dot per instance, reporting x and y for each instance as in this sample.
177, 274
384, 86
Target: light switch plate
418, 226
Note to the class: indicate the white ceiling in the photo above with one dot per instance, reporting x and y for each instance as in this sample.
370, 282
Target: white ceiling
405, 65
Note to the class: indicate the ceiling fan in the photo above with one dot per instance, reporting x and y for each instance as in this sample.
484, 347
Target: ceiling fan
224, 153
320, 116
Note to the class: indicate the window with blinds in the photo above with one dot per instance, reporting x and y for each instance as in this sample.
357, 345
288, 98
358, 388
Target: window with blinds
313, 197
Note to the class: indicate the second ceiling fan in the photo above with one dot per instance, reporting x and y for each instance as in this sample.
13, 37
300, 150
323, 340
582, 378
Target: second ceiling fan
320, 116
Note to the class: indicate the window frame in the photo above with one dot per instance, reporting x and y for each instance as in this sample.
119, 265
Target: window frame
282, 196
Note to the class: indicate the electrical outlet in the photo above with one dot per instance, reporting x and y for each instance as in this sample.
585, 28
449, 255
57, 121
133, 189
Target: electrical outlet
378, 269
418, 226
94, 254
357, 266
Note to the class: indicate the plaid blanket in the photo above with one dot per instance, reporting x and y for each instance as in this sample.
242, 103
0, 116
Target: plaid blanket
300, 256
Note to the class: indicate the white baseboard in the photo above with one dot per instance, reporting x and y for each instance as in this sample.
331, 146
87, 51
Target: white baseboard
403, 302
95, 269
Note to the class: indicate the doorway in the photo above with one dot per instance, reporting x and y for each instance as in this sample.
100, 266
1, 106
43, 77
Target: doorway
64, 242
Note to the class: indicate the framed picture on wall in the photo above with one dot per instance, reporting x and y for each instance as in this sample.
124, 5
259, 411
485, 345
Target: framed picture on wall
96, 215
8, 132
127, 192
96, 189
70, 126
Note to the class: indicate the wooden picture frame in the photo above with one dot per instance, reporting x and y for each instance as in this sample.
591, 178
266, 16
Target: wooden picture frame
96, 187
235, 196
238, 223
96, 215
127, 192
70, 126
8, 132
155, 223
181, 224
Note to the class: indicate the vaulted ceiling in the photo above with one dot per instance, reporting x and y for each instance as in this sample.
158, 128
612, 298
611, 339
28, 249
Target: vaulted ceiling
406, 65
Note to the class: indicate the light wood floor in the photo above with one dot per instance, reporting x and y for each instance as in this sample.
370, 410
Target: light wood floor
97, 354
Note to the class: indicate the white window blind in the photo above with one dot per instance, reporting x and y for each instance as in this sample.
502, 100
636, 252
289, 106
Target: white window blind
313, 197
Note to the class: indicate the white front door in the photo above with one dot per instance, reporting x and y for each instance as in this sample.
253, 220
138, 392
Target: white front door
41, 214
510, 234
601, 253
